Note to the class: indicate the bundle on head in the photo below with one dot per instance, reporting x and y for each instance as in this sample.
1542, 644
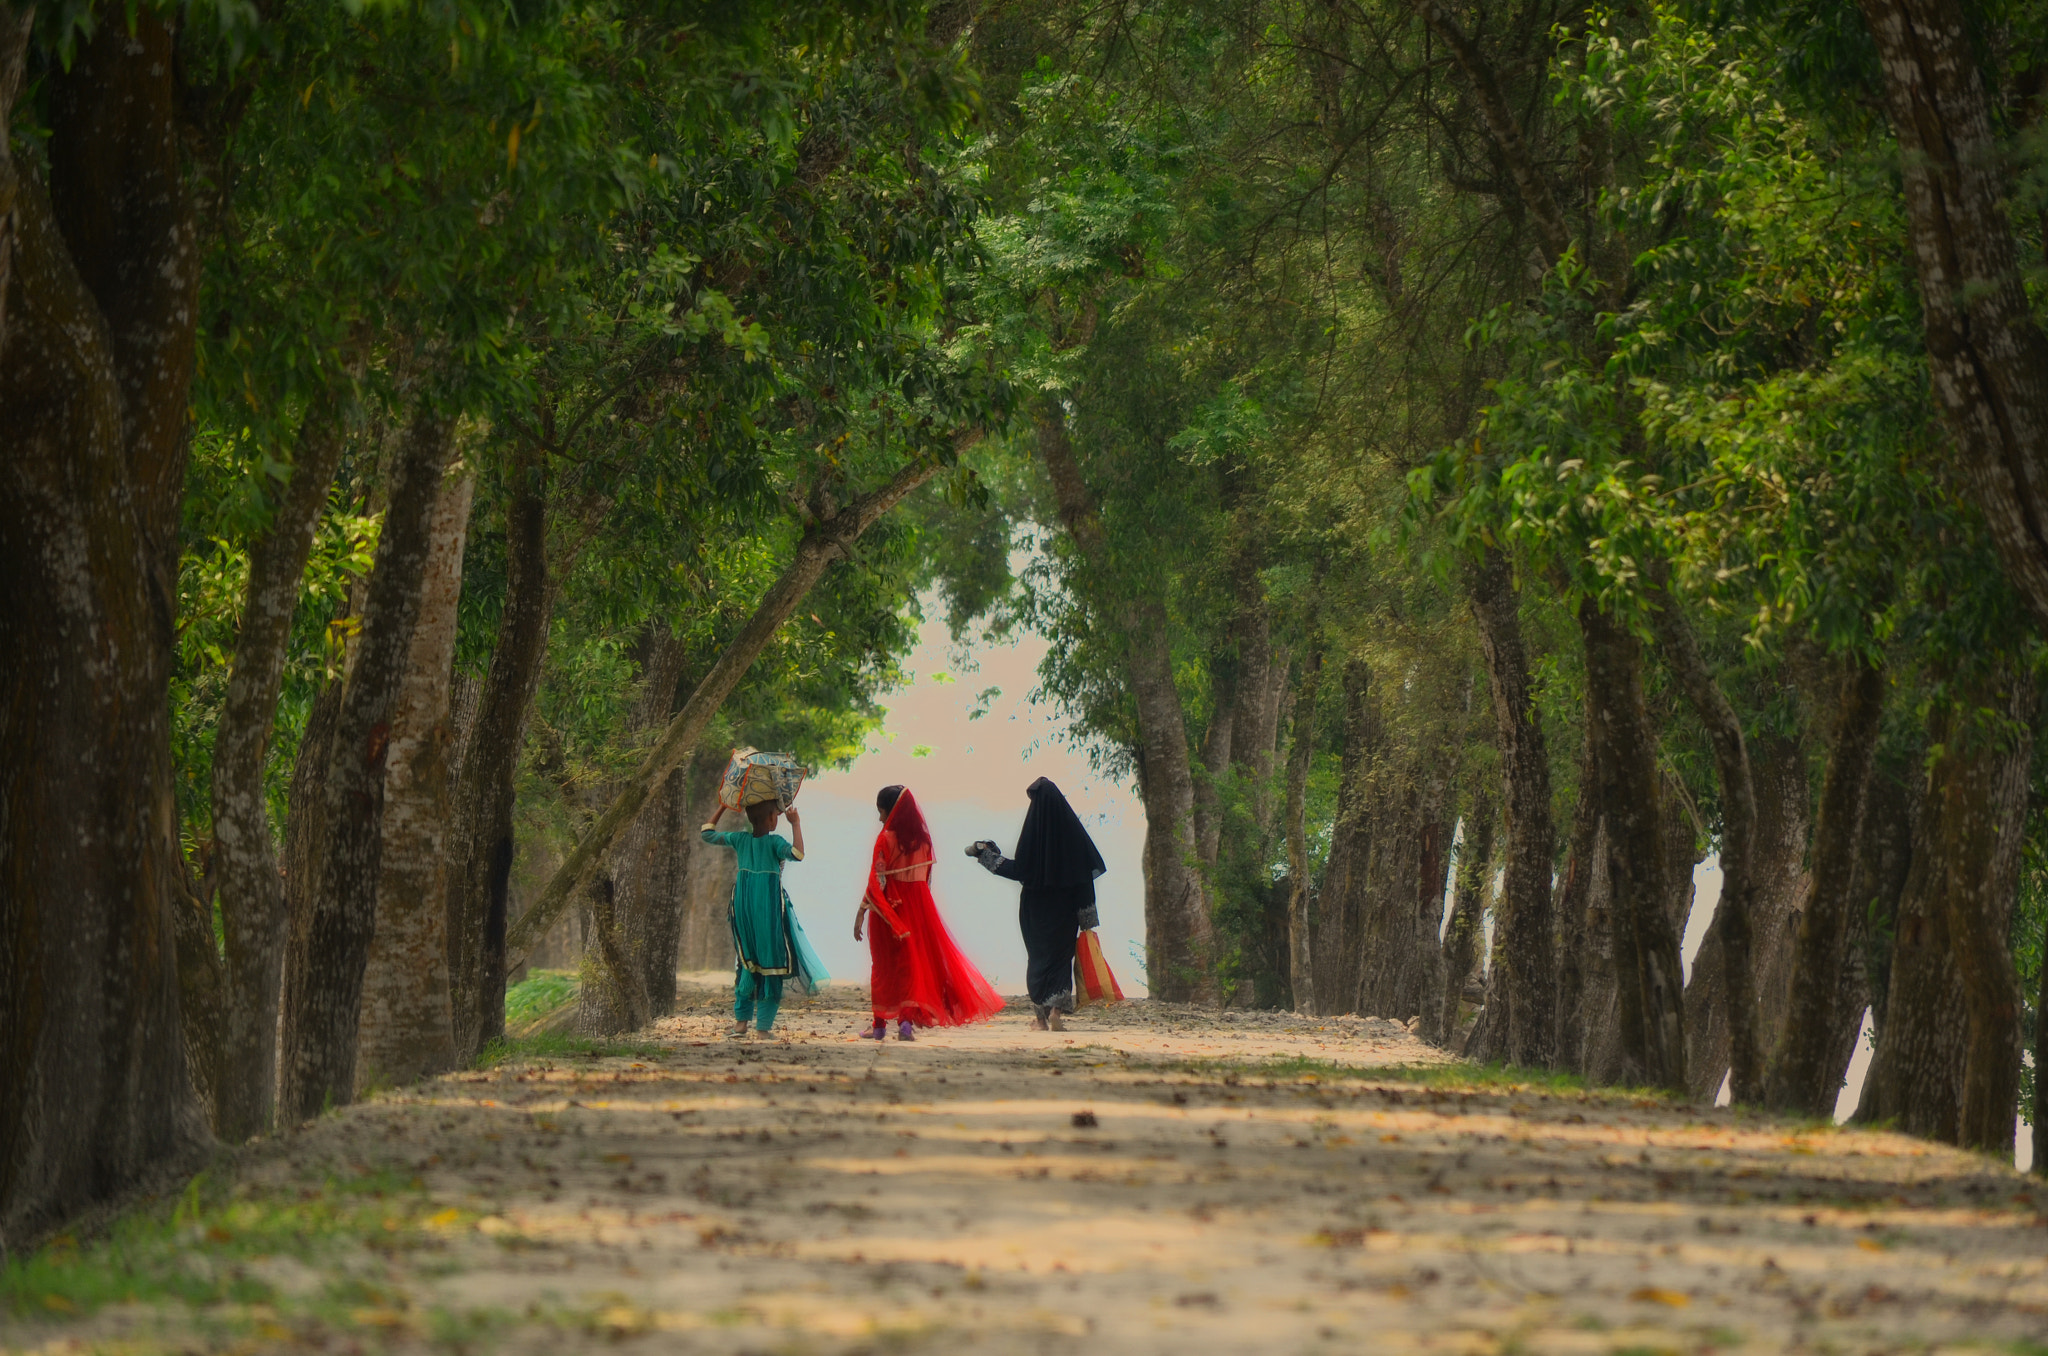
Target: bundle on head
761, 814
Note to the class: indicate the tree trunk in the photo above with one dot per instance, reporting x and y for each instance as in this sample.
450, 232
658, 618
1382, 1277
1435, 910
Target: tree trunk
1778, 767
94, 381
1425, 979
1982, 812
1582, 927
407, 1025
14, 35
2039, 1118
480, 846
1468, 910
244, 870
625, 912
1386, 903
1803, 1077
1300, 757
1648, 990
1948, 1050
1340, 901
1401, 905
1524, 987
1733, 930
671, 825
324, 990
1179, 934
826, 540
1216, 750
1986, 352
1778, 872
1261, 683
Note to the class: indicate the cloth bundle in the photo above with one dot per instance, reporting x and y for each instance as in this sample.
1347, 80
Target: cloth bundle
753, 776
1092, 975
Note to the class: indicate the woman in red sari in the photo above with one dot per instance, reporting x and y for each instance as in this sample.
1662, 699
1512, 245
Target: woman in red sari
921, 978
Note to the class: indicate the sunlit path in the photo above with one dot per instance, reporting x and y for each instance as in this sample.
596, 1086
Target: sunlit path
1152, 1180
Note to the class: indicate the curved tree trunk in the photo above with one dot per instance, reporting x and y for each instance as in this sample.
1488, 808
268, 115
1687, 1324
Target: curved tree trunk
1648, 989
480, 843
827, 540
1524, 984
99, 303
324, 977
1803, 1077
245, 855
406, 1028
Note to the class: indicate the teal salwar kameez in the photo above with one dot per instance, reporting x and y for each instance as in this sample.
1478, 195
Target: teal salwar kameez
768, 943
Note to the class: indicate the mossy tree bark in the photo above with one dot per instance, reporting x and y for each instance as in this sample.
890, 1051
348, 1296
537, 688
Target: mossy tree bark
326, 959
480, 842
244, 869
96, 361
407, 1025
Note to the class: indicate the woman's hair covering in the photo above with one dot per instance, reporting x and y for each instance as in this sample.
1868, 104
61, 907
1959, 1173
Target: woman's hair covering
885, 799
1054, 850
913, 839
761, 811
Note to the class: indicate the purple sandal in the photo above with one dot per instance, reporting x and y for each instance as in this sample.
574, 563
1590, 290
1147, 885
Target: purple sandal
904, 1032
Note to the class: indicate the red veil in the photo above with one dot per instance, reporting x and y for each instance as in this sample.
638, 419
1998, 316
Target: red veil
920, 976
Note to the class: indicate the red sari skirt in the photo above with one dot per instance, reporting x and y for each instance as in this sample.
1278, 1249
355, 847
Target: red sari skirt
923, 978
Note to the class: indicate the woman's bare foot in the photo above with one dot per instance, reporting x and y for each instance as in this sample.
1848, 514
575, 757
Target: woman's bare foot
1038, 1023
1056, 1022
739, 1029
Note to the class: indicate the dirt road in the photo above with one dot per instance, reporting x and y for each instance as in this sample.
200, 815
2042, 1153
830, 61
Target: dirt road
1153, 1180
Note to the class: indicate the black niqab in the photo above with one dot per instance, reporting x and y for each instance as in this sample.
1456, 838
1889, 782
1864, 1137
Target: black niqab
1054, 850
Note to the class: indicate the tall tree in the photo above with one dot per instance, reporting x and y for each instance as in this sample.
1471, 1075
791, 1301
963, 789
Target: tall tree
96, 358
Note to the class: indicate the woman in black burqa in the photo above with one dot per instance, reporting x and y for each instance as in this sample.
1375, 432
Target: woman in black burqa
1057, 864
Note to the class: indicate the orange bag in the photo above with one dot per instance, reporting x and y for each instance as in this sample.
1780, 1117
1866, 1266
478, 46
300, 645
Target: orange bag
1091, 972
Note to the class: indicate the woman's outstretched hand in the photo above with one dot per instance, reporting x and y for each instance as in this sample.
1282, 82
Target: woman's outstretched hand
974, 848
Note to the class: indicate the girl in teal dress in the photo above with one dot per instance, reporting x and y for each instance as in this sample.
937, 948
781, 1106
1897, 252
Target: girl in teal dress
767, 941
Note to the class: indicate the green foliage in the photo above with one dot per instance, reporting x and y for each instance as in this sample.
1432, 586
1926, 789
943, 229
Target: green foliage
230, 487
540, 994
